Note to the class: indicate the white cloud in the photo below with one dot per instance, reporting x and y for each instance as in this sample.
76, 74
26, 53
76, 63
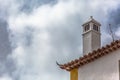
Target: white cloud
117, 33
34, 61
5, 77
43, 16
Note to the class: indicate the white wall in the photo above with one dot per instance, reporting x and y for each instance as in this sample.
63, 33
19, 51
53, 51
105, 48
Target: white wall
104, 68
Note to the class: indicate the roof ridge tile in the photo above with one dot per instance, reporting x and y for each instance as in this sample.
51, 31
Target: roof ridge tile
95, 54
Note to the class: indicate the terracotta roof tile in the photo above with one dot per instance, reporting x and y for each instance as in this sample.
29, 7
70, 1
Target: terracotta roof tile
91, 56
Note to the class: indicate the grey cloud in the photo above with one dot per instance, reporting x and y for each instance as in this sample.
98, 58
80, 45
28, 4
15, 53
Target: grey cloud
7, 65
114, 17
28, 5
5, 49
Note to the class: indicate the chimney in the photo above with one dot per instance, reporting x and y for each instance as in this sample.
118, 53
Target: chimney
91, 36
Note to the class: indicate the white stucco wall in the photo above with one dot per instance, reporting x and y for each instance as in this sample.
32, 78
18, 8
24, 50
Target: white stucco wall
104, 68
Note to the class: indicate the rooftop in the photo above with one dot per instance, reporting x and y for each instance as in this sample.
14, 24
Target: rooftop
90, 57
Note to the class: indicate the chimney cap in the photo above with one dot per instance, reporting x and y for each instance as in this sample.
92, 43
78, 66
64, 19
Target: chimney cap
91, 19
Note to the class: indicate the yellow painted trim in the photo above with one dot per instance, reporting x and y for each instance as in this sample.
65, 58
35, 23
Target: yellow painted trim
74, 74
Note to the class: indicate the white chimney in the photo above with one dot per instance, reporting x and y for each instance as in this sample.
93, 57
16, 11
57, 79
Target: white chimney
91, 36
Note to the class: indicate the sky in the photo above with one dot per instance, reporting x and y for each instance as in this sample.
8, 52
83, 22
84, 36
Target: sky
34, 34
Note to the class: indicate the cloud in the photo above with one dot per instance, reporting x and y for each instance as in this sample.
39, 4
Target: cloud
117, 33
5, 78
113, 19
37, 60
43, 32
